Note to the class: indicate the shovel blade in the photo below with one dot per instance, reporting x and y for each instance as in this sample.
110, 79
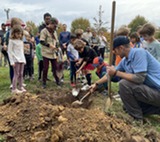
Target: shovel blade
108, 104
77, 103
75, 92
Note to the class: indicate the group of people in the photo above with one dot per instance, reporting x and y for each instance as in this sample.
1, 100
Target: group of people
137, 71
136, 61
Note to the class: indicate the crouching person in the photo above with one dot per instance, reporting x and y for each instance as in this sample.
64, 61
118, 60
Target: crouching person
140, 84
86, 55
101, 71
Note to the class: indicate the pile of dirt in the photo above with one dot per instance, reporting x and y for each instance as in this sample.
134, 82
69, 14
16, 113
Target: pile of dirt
50, 118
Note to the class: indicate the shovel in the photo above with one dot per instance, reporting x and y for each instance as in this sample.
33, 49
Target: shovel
80, 102
75, 91
109, 102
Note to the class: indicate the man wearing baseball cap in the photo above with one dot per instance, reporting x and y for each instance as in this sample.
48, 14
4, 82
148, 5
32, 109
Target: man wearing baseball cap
140, 79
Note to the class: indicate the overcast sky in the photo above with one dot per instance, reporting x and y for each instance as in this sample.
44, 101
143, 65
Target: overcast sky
67, 10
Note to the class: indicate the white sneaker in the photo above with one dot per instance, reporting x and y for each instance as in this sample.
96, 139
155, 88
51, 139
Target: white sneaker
24, 85
85, 87
16, 91
62, 80
23, 89
10, 87
83, 81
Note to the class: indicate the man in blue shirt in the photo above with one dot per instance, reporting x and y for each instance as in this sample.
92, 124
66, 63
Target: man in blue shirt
140, 79
64, 39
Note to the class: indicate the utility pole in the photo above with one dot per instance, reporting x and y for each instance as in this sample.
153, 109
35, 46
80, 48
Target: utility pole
7, 12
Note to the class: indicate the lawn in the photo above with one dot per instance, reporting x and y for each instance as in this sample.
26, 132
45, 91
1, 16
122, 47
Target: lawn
35, 87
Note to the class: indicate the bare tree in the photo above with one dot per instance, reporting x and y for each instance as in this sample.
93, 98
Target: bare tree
7, 12
99, 23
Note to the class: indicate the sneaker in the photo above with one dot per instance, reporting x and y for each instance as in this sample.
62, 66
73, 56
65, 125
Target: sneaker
62, 80
83, 81
24, 85
48, 79
44, 85
73, 84
10, 87
85, 87
117, 97
23, 90
79, 80
16, 91
104, 92
58, 85
68, 68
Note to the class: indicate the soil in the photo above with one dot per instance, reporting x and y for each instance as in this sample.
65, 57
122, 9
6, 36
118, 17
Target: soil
51, 118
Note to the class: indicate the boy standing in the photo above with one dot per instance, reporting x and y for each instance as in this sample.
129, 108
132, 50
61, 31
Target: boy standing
73, 57
152, 45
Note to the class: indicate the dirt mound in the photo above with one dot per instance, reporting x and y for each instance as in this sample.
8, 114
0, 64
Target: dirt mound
50, 118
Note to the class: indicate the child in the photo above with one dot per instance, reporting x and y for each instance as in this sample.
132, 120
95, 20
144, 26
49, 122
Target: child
87, 55
14, 21
28, 55
94, 42
152, 45
40, 60
73, 57
135, 39
101, 66
103, 44
16, 57
101, 69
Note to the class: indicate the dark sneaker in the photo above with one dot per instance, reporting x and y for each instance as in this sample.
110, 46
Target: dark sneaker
44, 85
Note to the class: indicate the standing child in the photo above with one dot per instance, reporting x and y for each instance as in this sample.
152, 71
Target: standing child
135, 39
28, 55
16, 57
152, 45
73, 58
40, 60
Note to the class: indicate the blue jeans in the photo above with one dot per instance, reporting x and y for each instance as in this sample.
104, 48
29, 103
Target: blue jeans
73, 71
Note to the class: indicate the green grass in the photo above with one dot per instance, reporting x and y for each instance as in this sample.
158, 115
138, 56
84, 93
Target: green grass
35, 87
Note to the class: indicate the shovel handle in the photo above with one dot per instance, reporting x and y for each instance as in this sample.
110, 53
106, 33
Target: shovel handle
86, 95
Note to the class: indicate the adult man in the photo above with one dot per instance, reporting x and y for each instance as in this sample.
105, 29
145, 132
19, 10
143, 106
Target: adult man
48, 41
64, 38
140, 79
88, 34
47, 18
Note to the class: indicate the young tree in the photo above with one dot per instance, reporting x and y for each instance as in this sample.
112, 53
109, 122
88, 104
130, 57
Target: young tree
80, 23
137, 21
33, 26
99, 23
